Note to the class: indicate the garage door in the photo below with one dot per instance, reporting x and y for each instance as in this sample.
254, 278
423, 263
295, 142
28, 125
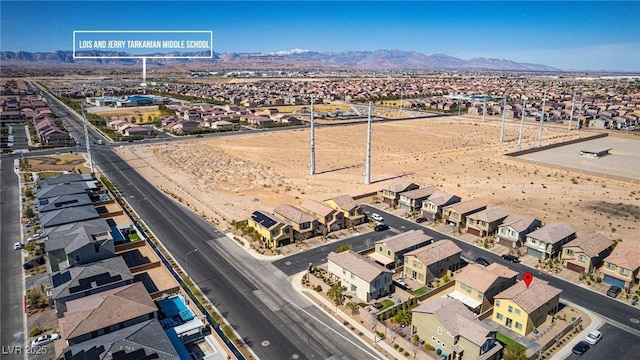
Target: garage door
535, 253
575, 267
613, 281
405, 207
475, 232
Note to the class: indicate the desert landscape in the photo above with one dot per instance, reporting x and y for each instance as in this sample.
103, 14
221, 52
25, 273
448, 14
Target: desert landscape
227, 178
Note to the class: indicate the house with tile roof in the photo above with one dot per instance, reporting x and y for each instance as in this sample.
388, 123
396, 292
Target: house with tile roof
79, 243
361, 276
432, 207
351, 211
144, 340
68, 215
328, 218
547, 241
454, 331
63, 201
273, 232
523, 308
98, 314
514, 229
390, 252
622, 267
432, 261
76, 282
456, 214
476, 285
411, 201
586, 253
303, 224
391, 194
485, 223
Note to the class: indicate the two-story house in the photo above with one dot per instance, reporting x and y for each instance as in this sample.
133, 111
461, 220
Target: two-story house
547, 241
454, 331
328, 218
585, 253
621, 268
391, 194
302, 223
523, 308
485, 223
351, 211
476, 285
363, 277
432, 261
273, 233
79, 243
514, 229
411, 201
390, 251
432, 207
456, 214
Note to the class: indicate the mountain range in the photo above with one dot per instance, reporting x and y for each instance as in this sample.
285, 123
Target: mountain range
296, 58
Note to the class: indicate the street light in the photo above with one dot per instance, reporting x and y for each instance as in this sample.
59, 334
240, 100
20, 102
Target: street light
186, 260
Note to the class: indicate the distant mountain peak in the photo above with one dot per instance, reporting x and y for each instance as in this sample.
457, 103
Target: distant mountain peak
288, 52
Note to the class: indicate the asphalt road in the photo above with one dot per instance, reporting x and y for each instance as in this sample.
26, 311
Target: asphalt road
614, 311
615, 344
11, 292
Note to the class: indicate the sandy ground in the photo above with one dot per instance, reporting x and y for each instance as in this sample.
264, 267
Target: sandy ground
234, 176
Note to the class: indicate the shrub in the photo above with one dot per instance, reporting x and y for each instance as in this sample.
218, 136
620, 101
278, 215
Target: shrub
396, 346
318, 288
428, 347
35, 332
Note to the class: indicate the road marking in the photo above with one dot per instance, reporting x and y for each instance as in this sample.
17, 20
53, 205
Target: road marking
265, 343
330, 328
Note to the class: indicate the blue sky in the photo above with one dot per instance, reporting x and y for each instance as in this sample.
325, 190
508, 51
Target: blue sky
582, 35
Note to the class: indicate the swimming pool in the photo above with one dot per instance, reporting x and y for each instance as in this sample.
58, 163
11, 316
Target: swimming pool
174, 307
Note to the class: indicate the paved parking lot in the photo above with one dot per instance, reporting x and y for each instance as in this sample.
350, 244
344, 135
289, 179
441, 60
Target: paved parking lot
615, 344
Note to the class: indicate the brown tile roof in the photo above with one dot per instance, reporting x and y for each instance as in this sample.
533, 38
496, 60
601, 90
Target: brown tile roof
361, 266
293, 214
467, 206
491, 214
530, 298
432, 253
592, 244
317, 207
440, 198
518, 222
482, 278
345, 202
625, 256
405, 240
457, 319
400, 186
420, 193
104, 309
552, 233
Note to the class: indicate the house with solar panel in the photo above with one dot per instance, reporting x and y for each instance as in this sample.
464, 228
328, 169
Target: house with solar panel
273, 232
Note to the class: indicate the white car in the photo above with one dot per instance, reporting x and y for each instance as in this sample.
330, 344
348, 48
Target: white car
377, 217
17, 246
44, 339
594, 337
34, 237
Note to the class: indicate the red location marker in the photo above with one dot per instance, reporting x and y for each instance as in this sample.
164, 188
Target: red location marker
527, 278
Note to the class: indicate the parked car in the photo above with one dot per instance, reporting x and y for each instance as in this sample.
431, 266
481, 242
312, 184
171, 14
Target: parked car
614, 291
377, 217
511, 258
381, 227
33, 262
44, 339
17, 246
421, 220
594, 337
580, 348
377, 305
482, 261
34, 237
30, 223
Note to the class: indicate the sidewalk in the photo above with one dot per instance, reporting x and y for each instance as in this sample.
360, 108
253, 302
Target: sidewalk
596, 323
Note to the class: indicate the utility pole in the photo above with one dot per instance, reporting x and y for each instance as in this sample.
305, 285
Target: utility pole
544, 98
86, 137
484, 107
504, 108
573, 104
580, 111
313, 143
367, 170
521, 126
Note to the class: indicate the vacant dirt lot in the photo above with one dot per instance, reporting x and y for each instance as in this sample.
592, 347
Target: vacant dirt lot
239, 174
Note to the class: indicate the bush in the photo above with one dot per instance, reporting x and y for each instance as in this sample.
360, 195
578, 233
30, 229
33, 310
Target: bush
406, 353
35, 332
428, 347
318, 288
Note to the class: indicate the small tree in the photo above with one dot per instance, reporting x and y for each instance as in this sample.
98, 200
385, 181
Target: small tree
343, 247
29, 213
354, 307
28, 194
335, 293
403, 317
